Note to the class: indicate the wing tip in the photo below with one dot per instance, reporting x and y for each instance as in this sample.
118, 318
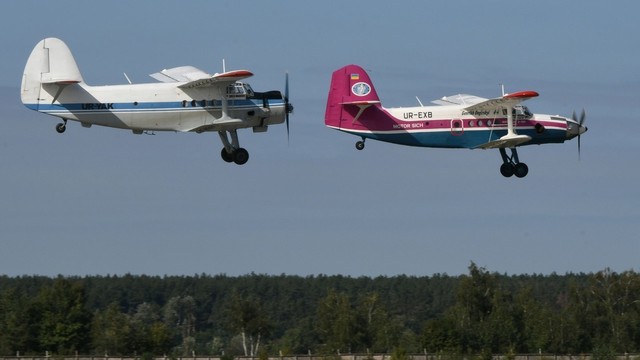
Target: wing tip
522, 95
234, 73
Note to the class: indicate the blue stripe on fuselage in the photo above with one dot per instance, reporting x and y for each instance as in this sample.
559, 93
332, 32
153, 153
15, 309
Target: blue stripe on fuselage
150, 106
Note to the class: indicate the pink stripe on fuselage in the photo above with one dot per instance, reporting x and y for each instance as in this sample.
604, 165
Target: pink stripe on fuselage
378, 119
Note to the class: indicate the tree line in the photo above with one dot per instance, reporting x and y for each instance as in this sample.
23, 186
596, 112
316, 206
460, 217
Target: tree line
481, 312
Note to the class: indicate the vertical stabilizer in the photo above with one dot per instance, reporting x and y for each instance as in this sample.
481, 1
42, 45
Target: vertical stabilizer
351, 91
50, 62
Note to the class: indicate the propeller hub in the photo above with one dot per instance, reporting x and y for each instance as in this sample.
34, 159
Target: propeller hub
583, 129
575, 126
575, 129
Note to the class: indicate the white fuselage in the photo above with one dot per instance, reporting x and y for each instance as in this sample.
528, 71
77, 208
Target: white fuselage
155, 107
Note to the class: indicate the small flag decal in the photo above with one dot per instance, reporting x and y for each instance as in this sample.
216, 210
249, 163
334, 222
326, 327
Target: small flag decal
355, 76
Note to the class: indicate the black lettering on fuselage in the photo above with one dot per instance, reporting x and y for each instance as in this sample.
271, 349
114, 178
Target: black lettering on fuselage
97, 106
418, 115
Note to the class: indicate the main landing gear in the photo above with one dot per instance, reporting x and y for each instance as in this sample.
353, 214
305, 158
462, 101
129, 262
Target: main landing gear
232, 152
511, 164
239, 156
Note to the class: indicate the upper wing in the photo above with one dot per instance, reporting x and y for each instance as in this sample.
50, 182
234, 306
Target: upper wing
473, 102
459, 99
193, 77
508, 100
180, 74
219, 79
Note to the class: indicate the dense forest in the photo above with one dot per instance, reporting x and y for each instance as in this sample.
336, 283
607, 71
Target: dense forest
477, 313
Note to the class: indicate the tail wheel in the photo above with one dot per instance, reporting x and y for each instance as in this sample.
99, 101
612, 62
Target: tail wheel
360, 145
61, 127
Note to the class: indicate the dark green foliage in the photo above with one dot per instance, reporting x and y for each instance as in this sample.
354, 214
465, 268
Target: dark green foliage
63, 322
473, 316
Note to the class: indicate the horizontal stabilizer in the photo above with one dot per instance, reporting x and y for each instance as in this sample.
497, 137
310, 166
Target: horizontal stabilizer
360, 103
61, 81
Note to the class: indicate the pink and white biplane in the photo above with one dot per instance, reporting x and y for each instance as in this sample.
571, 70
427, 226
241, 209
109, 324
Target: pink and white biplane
459, 121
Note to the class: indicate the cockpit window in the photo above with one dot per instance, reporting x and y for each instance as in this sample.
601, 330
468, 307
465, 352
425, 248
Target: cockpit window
236, 90
521, 111
248, 90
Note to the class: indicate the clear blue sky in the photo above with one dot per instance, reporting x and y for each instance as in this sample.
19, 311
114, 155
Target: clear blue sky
105, 201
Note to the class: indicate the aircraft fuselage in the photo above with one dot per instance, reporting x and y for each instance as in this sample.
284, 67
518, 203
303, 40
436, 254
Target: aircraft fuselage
155, 107
451, 126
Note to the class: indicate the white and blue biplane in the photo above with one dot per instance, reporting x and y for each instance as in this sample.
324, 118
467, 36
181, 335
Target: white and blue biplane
185, 99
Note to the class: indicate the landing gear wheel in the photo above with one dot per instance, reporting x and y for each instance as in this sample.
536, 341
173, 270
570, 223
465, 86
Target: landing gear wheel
61, 127
226, 156
507, 170
521, 170
360, 145
511, 165
240, 156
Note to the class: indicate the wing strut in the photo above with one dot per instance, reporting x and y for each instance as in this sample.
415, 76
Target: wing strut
225, 119
512, 139
510, 131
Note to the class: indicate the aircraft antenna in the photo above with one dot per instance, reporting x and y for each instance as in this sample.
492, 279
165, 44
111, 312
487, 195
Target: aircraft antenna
419, 102
126, 77
224, 67
502, 87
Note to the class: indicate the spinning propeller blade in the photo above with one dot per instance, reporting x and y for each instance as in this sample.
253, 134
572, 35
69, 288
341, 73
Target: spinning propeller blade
288, 108
580, 122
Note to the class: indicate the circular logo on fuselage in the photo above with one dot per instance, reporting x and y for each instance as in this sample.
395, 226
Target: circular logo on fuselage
361, 89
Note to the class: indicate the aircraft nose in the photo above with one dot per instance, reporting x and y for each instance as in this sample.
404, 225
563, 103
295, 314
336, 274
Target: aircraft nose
575, 129
575, 126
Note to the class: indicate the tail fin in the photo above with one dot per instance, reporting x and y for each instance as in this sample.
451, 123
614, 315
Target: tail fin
350, 93
50, 62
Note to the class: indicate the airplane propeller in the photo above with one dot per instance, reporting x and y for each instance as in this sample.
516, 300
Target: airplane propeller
580, 122
288, 108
